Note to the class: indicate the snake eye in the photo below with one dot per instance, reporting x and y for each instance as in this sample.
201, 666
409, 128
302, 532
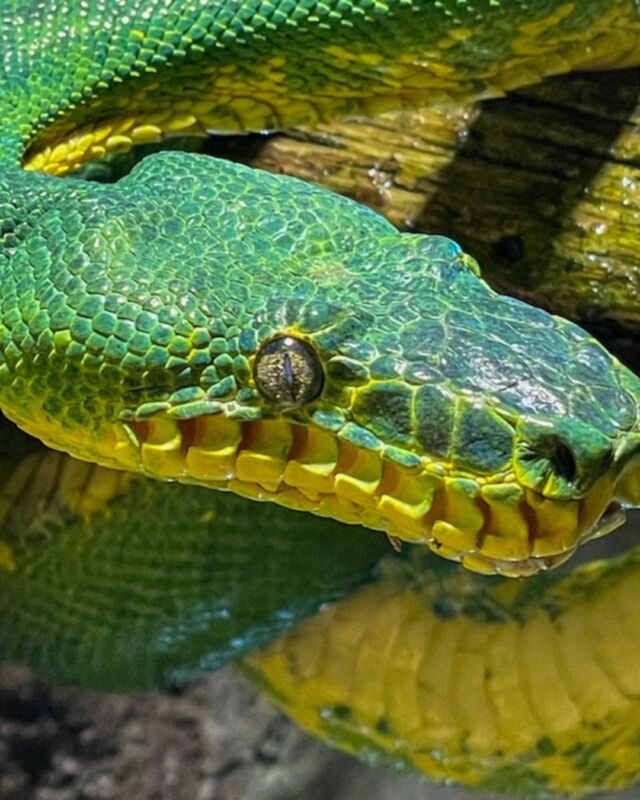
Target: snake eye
288, 372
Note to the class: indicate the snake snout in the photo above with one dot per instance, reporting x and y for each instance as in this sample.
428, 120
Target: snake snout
627, 455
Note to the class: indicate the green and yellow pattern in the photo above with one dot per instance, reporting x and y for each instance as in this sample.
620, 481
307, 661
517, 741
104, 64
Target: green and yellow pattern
204, 323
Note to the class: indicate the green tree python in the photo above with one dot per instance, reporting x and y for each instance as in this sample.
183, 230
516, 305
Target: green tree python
208, 324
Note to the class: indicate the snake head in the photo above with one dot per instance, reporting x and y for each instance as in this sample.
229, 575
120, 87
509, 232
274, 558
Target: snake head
203, 322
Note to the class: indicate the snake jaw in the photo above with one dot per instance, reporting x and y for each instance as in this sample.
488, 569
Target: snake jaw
491, 525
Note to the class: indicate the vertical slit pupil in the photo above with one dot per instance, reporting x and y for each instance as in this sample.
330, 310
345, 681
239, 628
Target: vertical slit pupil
289, 377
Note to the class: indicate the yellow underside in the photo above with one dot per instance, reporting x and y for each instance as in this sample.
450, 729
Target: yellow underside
461, 698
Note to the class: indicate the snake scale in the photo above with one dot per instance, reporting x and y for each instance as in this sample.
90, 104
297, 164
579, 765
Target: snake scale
209, 326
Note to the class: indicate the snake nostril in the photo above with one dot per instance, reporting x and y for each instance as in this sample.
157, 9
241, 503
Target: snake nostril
564, 462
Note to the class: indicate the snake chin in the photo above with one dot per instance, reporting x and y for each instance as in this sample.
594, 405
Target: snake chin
612, 518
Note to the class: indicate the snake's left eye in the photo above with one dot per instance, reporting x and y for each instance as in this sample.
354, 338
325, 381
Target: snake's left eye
288, 372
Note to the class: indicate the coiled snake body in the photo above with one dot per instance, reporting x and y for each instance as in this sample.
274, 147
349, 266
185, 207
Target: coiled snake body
205, 323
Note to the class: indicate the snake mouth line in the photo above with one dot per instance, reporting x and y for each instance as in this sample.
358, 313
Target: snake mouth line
491, 525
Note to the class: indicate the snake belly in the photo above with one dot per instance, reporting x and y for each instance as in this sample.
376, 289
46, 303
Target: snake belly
201, 322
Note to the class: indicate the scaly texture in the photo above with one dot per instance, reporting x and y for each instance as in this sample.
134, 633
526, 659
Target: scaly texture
121, 582
203, 322
523, 688
134, 315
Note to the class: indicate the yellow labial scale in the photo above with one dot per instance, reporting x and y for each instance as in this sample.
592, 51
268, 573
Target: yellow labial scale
212, 455
312, 468
463, 510
250, 490
311, 495
404, 519
436, 685
407, 504
557, 524
316, 478
516, 721
213, 465
265, 450
161, 452
373, 520
457, 540
505, 514
363, 478
542, 682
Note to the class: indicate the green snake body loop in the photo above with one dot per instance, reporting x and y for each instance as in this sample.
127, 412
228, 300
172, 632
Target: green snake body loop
202, 322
